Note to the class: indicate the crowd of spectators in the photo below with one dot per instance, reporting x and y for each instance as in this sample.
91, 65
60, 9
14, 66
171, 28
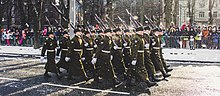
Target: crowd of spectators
192, 37
185, 36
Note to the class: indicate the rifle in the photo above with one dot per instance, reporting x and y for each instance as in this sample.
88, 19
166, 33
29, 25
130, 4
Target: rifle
112, 23
132, 19
49, 22
123, 22
100, 21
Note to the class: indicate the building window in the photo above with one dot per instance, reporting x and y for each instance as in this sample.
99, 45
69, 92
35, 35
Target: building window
201, 14
215, 14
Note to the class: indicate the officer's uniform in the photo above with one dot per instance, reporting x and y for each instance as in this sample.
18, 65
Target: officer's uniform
127, 49
75, 52
118, 61
49, 45
63, 43
87, 54
104, 66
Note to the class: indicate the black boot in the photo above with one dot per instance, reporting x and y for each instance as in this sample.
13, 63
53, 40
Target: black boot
59, 70
70, 77
165, 75
155, 79
116, 82
150, 84
58, 76
168, 66
47, 75
168, 70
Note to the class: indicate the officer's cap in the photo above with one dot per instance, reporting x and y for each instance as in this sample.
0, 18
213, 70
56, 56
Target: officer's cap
147, 28
126, 30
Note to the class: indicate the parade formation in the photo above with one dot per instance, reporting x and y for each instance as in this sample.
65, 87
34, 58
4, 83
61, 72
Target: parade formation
109, 53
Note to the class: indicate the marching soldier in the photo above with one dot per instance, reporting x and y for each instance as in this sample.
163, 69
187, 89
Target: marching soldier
118, 61
87, 54
50, 45
137, 69
156, 55
64, 49
103, 56
127, 47
74, 56
147, 51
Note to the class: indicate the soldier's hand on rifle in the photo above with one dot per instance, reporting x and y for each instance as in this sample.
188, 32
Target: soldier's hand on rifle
125, 44
83, 58
133, 62
94, 60
67, 59
86, 44
111, 57
115, 47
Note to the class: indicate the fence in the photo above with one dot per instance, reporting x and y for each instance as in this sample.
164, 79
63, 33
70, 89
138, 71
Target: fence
167, 42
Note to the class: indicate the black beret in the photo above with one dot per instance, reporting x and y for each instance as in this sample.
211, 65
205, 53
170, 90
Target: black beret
126, 30
107, 30
65, 32
93, 31
139, 29
116, 29
147, 28
99, 31
77, 30
155, 29
86, 32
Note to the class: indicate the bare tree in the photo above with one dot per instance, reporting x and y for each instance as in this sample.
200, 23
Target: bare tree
168, 12
191, 9
211, 5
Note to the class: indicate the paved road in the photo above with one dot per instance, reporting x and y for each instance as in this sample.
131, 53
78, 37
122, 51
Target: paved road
25, 77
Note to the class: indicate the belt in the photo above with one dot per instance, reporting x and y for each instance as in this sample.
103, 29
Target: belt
127, 47
147, 48
140, 51
119, 48
89, 49
156, 47
104, 51
65, 49
50, 50
78, 50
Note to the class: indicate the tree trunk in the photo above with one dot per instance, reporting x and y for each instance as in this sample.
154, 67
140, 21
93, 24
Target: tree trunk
168, 12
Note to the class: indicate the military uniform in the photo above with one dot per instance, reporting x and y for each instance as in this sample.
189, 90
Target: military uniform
88, 51
118, 61
75, 52
127, 50
104, 66
63, 43
156, 55
49, 45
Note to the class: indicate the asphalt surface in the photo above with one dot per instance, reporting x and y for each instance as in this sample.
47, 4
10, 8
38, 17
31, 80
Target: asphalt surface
24, 77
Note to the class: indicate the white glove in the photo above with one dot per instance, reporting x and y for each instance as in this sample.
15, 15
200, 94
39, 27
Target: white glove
83, 58
125, 44
146, 45
133, 62
67, 59
115, 47
86, 44
57, 57
94, 60
95, 46
41, 59
111, 57
153, 43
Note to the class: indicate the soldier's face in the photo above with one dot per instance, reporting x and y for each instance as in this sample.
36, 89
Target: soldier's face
78, 33
140, 32
51, 36
108, 34
119, 33
88, 35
